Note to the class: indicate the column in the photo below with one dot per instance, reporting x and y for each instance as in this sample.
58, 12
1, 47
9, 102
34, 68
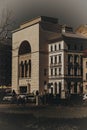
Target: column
57, 59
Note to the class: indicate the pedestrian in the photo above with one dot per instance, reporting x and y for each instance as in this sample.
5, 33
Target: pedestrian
14, 95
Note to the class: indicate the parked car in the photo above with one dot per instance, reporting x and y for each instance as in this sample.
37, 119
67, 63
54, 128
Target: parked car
31, 98
8, 98
84, 97
21, 99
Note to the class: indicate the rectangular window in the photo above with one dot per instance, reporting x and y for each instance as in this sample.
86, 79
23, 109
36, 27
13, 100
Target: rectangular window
59, 46
59, 58
69, 47
51, 48
70, 58
55, 47
69, 71
55, 59
55, 71
51, 60
51, 72
59, 71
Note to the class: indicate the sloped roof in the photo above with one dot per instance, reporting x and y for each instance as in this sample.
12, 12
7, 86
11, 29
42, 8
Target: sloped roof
55, 37
74, 35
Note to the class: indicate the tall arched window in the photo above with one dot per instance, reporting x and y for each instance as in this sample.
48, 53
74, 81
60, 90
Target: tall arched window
24, 48
25, 59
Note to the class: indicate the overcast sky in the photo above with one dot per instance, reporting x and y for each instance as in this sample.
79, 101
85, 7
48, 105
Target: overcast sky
71, 12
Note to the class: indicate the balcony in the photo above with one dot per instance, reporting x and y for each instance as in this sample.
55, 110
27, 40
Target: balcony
55, 76
55, 64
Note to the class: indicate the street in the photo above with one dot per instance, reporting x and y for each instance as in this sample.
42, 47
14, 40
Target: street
42, 117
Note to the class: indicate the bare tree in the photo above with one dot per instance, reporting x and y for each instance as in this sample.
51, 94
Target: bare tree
6, 24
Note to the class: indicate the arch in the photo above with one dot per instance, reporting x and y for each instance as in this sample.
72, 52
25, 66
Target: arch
24, 48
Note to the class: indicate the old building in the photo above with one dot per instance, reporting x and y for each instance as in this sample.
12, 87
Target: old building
30, 55
65, 64
47, 56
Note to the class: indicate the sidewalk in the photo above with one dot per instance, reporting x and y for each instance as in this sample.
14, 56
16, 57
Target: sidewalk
45, 111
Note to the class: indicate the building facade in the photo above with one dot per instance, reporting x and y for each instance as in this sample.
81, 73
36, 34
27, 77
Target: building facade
65, 65
85, 71
47, 56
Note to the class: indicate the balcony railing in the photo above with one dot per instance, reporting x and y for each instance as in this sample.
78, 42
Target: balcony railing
56, 64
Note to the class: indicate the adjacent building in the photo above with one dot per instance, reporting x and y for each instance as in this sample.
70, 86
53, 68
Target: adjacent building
47, 56
85, 71
65, 64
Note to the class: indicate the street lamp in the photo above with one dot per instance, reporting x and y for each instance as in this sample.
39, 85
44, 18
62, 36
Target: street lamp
45, 88
51, 88
45, 92
37, 100
28, 86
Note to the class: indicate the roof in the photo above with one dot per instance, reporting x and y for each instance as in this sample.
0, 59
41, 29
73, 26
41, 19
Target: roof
37, 20
55, 37
74, 35
47, 23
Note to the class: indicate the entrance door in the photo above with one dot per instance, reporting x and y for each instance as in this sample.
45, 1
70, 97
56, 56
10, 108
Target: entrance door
60, 89
23, 89
75, 88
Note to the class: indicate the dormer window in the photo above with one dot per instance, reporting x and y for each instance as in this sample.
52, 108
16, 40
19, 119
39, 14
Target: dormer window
59, 46
55, 47
51, 48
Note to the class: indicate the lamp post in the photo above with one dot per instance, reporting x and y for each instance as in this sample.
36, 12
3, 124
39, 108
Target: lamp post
37, 100
28, 86
45, 92
51, 88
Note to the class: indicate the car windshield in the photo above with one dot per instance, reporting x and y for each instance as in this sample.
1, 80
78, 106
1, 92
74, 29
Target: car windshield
31, 96
9, 94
